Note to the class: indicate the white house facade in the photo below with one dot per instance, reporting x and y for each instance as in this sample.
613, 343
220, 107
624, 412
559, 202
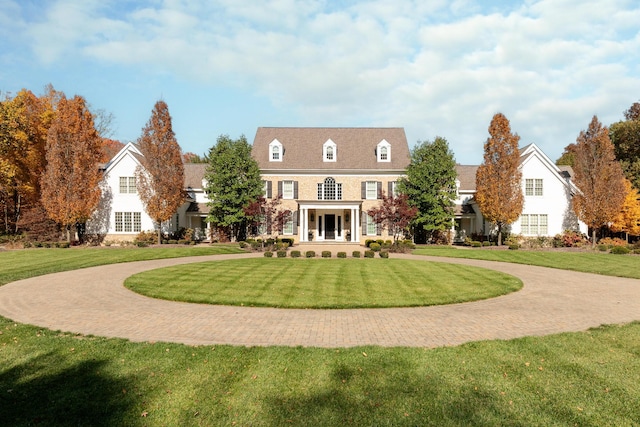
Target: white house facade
329, 178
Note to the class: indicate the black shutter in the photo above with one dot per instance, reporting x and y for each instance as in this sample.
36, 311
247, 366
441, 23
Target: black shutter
379, 196
364, 223
295, 222
363, 189
269, 189
390, 189
279, 188
295, 189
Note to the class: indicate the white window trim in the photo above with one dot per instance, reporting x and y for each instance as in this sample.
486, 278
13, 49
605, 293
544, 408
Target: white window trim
287, 193
536, 189
375, 190
385, 144
127, 222
287, 228
372, 227
128, 184
272, 144
334, 147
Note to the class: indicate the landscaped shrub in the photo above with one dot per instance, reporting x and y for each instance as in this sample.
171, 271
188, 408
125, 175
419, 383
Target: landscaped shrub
242, 245
375, 246
172, 242
486, 243
342, 254
326, 254
620, 250
568, 239
281, 254
268, 254
183, 242
636, 251
384, 254
148, 237
612, 242
368, 242
310, 254
603, 248
514, 246
141, 244
380, 242
355, 254
369, 254
295, 254
476, 244
287, 241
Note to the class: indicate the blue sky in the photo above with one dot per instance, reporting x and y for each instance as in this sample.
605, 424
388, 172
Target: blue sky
436, 68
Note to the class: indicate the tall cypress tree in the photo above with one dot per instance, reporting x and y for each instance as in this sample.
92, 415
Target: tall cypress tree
160, 177
498, 178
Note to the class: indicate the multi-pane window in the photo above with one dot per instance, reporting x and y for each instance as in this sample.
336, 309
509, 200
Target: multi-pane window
128, 185
288, 226
384, 153
372, 190
394, 188
533, 187
534, 224
287, 189
372, 227
330, 190
128, 222
329, 153
275, 153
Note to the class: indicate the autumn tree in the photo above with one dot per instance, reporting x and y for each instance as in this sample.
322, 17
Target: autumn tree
498, 178
160, 175
24, 123
568, 157
628, 219
625, 136
430, 185
70, 182
190, 157
599, 178
394, 214
233, 182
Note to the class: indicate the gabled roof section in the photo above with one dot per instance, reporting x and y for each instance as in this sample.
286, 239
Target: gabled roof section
467, 177
532, 151
130, 149
356, 148
194, 174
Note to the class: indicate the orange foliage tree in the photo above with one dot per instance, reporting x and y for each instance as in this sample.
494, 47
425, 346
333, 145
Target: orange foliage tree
599, 177
70, 182
628, 219
160, 177
498, 179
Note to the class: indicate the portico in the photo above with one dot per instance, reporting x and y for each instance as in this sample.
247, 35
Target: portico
329, 221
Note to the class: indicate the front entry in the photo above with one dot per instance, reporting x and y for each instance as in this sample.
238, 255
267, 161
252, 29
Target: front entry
330, 227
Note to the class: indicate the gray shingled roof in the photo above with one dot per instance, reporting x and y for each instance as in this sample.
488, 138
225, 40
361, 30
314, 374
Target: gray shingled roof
193, 174
467, 177
355, 148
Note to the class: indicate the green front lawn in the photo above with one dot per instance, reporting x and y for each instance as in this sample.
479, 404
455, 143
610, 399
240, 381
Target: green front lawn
588, 261
321, 283
587, 379
21, 264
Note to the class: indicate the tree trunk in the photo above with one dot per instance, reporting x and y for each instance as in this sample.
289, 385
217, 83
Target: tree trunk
593, 238
499, 234
159, 232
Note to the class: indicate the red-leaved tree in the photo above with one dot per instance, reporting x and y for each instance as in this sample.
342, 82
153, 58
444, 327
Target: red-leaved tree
266, 216
394, 214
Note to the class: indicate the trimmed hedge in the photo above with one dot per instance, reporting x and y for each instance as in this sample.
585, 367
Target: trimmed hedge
342, 254
268, 254
295, 254
384, 254
326, 254
620, 250
281, 254
355, 254
369, 254
310, 254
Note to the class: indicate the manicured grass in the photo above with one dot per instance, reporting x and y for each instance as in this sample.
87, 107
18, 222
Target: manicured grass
317, 283
588, 262
50, 378
20, 264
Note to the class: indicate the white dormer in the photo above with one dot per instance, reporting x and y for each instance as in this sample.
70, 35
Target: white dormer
383, 151
276, 151
329, 151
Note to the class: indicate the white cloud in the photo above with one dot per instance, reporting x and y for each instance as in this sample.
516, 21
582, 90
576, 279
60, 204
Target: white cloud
436, 68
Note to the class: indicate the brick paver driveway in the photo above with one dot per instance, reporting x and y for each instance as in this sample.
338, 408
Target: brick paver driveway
93, 301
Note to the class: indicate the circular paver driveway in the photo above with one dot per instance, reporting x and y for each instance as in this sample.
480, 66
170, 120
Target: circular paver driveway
94, 301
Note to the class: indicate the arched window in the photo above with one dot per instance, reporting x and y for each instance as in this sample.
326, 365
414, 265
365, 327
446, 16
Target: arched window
329, 151
384, 155
275, 153
383, 151
329, 189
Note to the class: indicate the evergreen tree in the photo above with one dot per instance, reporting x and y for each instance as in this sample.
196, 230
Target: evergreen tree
430, 186
498, 179
233, 182
625, 136
160, 177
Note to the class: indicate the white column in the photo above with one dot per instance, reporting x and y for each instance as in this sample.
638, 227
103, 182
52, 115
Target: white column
301, 216
356, 224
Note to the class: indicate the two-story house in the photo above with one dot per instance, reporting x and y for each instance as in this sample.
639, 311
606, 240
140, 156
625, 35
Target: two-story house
330, 177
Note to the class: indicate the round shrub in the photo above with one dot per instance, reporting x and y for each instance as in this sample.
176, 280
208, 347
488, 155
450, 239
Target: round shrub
310, 254
620, 250
384, 254
342, 254
476, 244
295, 254
486, 243
281, 254
514, 246
268, 254
603, 248
369, 254
375, 247
355, 254
326, 254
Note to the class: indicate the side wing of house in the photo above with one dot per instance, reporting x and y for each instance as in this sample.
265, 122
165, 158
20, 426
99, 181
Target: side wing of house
194, 211
548, 193
330, 177
120, 215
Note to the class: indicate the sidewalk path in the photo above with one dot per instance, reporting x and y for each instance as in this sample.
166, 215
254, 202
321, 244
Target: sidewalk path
94, 301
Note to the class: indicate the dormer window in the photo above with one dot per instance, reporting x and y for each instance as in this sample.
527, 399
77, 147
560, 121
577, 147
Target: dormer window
329, 151
275, 151
383, 151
